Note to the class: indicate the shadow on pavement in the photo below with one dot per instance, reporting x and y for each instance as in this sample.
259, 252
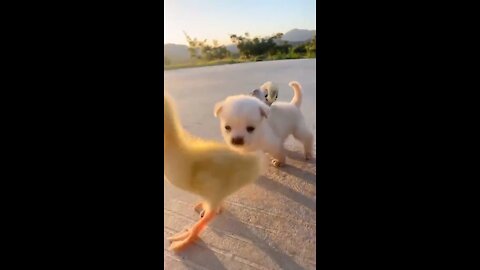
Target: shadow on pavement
201, 255
299, 173
299, 157
272, 185
230, 223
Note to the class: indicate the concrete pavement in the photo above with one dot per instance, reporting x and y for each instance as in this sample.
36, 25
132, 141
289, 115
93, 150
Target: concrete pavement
270, 224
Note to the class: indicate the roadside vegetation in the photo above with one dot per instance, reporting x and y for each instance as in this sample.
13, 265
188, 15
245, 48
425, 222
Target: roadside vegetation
203, 53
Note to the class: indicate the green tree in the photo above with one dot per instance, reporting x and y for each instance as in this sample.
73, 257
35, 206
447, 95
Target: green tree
166, 61
282, 49
300, 49
255, 47
202, 50
312, 46
193, 46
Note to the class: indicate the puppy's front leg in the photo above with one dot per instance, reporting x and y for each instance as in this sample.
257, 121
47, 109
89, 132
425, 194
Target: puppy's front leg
278, 156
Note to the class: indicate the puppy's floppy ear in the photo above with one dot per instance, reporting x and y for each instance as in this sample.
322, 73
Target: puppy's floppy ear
264, 110
218, 108
256, 93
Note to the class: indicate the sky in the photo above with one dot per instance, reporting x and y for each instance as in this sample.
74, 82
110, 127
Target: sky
217, 19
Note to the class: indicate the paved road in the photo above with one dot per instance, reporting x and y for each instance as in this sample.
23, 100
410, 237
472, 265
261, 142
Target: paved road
270, 224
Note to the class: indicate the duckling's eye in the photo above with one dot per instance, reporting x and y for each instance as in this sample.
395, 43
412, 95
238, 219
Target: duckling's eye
228, 128
250, 129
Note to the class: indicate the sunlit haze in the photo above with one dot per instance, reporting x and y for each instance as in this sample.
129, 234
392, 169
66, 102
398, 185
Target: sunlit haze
217, 19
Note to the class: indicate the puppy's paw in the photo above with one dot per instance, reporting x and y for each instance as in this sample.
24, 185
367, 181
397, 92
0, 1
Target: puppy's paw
277, 163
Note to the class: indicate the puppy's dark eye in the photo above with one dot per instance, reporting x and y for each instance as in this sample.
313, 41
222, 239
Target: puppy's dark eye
266, 95
228, 128
250, 129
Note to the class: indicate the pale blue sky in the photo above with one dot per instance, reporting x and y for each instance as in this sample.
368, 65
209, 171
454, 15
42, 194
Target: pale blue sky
216, 19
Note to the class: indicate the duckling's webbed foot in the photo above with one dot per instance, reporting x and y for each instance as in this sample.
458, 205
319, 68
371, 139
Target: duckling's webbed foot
179, 236
184, 239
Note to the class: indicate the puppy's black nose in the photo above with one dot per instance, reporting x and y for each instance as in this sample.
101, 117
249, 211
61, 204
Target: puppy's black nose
237, 141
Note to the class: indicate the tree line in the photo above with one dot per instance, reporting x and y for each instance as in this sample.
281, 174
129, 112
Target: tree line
256, 48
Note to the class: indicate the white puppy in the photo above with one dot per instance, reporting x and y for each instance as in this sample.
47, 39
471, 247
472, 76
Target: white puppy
249, 124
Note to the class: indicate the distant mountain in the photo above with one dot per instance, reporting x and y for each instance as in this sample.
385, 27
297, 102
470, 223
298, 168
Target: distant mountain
176, 53
296, 35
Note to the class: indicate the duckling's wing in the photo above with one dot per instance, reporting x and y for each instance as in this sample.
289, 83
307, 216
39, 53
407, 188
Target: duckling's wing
222, 174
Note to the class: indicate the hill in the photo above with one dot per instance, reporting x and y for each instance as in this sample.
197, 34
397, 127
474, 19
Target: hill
297, 35
176, 53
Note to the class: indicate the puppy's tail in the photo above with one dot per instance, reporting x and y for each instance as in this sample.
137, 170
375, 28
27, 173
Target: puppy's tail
172, 127
297, 96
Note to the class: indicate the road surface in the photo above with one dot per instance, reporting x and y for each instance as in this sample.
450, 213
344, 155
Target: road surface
270, 224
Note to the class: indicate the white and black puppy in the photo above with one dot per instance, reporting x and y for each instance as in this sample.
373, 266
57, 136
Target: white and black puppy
267, 93
271, 92
249, 124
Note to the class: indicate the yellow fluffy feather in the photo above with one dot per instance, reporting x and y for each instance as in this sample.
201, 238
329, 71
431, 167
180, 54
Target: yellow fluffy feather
209, 169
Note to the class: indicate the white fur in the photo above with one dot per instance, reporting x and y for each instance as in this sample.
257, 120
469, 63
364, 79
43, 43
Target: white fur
272, 124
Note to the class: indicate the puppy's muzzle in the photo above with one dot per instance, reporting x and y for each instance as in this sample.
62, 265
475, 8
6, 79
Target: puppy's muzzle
237, 141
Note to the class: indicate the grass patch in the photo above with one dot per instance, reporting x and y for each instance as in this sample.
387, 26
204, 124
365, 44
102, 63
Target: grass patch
228, 61
205, 63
